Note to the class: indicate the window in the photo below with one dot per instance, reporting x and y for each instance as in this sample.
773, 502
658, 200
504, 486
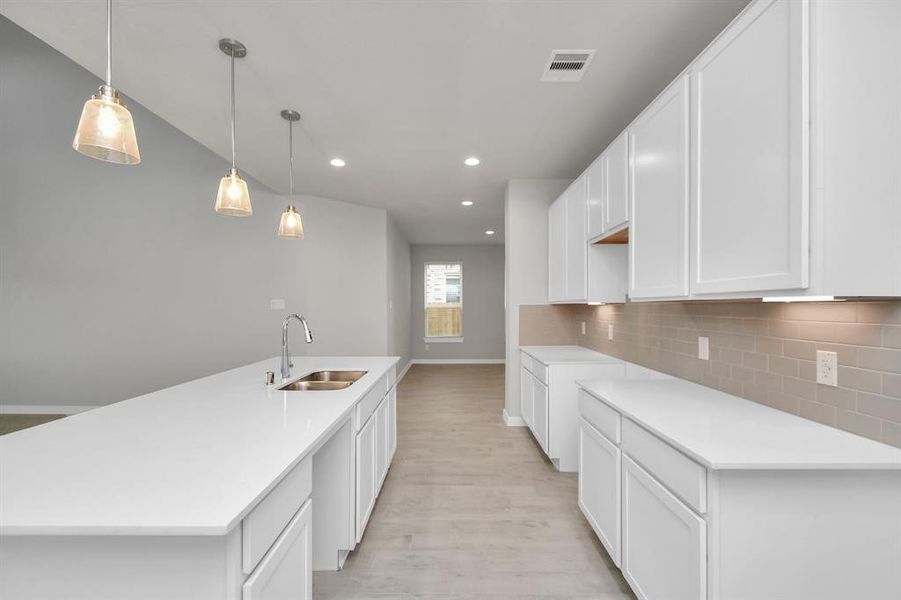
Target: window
444, 302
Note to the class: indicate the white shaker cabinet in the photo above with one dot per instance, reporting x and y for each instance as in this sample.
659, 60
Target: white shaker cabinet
287, 570
576, 241
366, 446
525, 395
659, 194
616, 178
749, 137
664, 543
540, 413
557, 250
599, 486
595, 192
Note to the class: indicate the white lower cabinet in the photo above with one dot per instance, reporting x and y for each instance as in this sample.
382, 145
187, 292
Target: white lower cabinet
286, 572
599, 486
540, 413
366, 474
525, 395
374, 444
664, 543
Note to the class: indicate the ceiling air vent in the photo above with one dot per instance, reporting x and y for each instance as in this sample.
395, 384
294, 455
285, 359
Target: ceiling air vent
567, 65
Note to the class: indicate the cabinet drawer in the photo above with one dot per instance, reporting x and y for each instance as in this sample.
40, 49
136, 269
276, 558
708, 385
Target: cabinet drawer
266, 521
287, 570
539, 370
683, 476
370, 401
602, 417
526, 361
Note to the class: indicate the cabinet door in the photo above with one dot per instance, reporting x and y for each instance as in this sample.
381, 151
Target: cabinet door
366, 473
287, 569
576, 242
556, 263
392, 424
664, 542
595, 192
599, 486
750, 127
616, 178
525, 395
539, 413
381, 443
658, 235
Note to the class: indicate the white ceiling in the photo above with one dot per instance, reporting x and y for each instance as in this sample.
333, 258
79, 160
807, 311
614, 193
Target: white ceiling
402, 90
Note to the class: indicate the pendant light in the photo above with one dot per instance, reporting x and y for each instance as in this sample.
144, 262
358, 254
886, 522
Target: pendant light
106, 130
291, 226
233, 198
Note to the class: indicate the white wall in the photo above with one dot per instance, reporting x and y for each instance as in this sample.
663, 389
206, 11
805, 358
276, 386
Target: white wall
483, 302
525, 250
116, 281
398, 295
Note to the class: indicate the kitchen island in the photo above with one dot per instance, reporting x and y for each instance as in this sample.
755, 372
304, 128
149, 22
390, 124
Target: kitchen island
195, 491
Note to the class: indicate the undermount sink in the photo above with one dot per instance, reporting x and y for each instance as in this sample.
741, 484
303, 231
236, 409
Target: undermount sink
323, 381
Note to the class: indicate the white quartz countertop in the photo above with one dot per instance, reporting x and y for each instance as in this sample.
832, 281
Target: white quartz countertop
722, 431
550, 355
192, 459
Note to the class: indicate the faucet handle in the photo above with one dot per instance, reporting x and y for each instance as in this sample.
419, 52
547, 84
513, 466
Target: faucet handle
270, 378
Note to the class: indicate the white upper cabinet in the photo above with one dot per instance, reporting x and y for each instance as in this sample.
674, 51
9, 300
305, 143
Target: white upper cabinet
659, 194
557, 250
616, 178
594, 185
579, 272
749, 136
576, 242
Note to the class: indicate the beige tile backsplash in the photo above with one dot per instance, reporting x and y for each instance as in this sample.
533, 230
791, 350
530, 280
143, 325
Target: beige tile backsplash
764, 352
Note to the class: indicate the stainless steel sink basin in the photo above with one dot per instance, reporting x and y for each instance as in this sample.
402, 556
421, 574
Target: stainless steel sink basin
323, 381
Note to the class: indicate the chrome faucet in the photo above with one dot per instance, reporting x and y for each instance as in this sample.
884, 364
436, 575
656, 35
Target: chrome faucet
286, 360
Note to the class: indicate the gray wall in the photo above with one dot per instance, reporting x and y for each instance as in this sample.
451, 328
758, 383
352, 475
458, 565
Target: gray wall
398, 295
116, 281
483, 302
525, 241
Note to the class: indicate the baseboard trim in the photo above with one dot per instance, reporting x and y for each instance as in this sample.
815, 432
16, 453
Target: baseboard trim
42, 409
457, 361
513, 421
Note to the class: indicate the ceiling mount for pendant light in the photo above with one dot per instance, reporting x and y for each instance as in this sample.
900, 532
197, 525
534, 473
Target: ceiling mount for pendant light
233, 198
290, 226
106, 130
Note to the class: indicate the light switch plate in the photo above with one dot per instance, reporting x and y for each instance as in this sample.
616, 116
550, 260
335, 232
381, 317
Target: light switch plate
583, 327
703, 348
827, 368
610, 332
277, 304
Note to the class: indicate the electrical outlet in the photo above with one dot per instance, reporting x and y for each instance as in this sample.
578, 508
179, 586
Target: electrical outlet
610, 333
277, 304
583, 327
426, 347
703, 348
827, 368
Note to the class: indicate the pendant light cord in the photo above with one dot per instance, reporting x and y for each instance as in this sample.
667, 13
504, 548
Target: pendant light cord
234, 160
109, 43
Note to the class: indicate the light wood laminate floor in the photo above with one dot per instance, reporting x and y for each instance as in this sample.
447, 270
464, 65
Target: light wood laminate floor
471, 508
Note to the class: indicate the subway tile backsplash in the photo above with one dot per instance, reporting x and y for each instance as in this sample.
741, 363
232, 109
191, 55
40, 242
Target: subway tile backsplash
764, 352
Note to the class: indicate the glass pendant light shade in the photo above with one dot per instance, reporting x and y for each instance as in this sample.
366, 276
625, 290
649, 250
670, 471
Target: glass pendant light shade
291, 225
233, 198
106, 130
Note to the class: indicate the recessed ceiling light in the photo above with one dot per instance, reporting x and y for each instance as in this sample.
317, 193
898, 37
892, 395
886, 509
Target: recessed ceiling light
471, 161
337, 162
489, 232
466, 203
